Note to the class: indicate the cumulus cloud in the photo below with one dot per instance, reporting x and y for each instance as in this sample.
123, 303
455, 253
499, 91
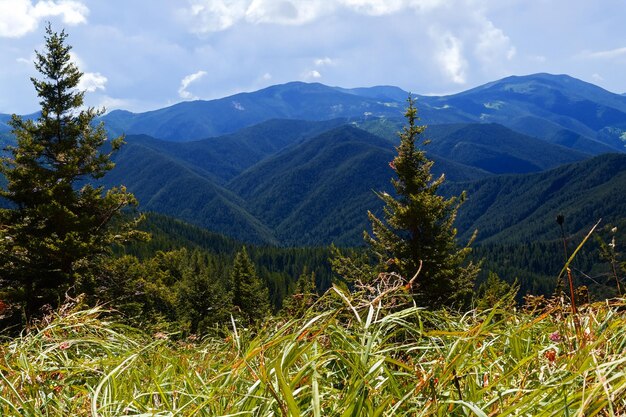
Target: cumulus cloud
285, 12
185, 82
493, 45
112, 103
320, 62
92, 81
217, 15
383, 7
19, 17
450, 57
311, 75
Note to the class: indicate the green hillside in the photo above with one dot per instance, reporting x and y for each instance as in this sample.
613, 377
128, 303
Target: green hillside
516, 208
171, 187
224, 157
496, 149
319, 191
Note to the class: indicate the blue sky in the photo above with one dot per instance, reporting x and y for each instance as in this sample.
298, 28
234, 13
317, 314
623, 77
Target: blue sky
141, 55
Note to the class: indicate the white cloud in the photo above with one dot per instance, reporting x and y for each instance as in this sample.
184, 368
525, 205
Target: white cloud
266, 77
286, 12
375, 7
450, 57
597, 77
19, 17
185, 82
311, 75
608, 54
112, 103
320, 62
92, 81
72, 12
216, 15
493, 45
209, 16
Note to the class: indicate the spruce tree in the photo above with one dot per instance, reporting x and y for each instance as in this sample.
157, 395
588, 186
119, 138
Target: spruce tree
250, 295
59, 225
418, 227
303, 296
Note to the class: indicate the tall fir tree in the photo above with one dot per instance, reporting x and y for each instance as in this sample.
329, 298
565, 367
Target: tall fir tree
58, 225
203, 302
418, 227
250, 295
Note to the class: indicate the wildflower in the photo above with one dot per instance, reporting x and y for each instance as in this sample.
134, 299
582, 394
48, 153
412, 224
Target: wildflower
160, 336
550, 355
555, 337
64, 345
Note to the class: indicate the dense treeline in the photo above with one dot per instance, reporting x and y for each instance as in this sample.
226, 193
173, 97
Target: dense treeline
277, 266
536, 265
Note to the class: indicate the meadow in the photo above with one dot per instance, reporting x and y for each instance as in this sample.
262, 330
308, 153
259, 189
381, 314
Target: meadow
363, 354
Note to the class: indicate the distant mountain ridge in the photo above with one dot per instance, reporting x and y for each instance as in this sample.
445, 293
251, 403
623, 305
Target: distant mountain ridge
556, 108
199, 119
554, 102
257, 173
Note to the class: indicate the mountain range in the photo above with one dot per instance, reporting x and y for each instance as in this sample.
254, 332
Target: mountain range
298, 164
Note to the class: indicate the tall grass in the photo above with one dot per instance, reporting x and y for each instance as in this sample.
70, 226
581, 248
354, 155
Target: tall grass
353, 359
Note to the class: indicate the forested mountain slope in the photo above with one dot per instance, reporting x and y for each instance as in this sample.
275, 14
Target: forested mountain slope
515, 208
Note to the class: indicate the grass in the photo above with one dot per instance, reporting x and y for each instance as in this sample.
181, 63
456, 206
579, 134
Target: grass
355, 358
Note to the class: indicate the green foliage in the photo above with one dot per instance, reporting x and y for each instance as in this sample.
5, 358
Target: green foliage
58, 228
182, 290
250, 295
354, 359
203, 301
278, 267
303, 296
494, 291
537, 263
417, 233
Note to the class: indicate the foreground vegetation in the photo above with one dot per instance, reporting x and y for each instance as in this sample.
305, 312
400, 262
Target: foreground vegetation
355, 358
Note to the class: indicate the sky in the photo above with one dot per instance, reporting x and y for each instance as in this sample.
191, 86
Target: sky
141, 55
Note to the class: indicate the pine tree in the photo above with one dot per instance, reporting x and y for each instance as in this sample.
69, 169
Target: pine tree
303, 297
418, 227
58, 225
203, 302
250, 295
